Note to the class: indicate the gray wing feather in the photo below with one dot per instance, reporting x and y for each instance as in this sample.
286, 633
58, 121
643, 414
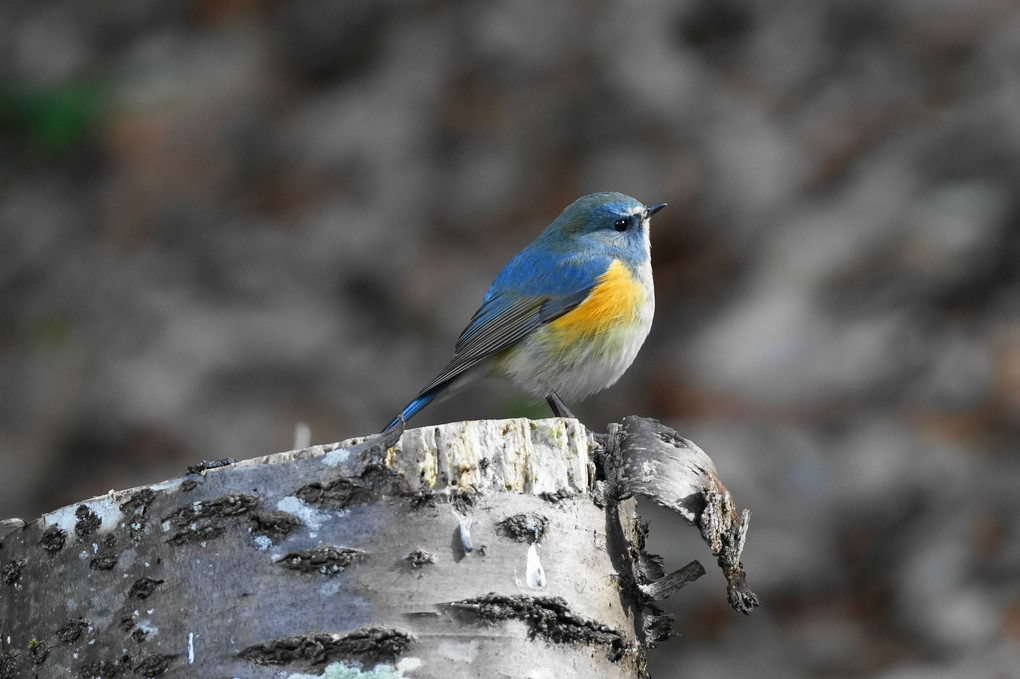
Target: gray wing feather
504, 330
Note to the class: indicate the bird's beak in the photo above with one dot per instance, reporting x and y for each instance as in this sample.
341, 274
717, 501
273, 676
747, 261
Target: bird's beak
653, 209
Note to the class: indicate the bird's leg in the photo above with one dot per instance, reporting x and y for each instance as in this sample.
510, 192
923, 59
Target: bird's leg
559, 408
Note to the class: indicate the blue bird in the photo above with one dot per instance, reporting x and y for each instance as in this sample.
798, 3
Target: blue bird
566, 317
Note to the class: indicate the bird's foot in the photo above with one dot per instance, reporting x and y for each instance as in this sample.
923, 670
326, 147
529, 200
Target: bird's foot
559, 408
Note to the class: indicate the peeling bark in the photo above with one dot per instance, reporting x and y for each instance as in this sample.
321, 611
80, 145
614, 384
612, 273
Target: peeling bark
648, 458
470, 549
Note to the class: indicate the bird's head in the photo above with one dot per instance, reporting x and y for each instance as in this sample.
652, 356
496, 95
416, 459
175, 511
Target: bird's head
610, 221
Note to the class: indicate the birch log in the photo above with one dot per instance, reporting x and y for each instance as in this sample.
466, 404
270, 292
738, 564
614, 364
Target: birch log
474, 549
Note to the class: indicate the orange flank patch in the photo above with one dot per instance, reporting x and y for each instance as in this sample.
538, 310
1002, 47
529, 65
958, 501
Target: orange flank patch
615, 300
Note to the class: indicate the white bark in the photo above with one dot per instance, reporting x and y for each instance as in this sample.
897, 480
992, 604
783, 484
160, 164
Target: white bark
474, 549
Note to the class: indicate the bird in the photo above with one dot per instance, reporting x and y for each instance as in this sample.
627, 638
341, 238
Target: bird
567, 315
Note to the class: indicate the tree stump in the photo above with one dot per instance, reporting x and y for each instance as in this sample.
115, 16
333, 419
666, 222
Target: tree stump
475, 549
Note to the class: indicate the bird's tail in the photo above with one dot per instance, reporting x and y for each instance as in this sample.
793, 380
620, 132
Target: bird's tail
414, 406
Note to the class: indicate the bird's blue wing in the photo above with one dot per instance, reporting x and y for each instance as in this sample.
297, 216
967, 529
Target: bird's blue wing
536, 287
499, 325
496, 326
520, 301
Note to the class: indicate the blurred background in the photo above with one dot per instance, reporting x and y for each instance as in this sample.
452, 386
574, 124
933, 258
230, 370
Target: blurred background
222, 218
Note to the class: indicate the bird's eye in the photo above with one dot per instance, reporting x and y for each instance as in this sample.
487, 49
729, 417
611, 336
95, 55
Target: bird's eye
621, 224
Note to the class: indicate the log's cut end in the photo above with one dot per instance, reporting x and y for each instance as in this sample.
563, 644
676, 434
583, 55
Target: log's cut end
537, 457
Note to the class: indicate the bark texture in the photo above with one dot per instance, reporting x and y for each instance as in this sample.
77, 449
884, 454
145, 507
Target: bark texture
474, 549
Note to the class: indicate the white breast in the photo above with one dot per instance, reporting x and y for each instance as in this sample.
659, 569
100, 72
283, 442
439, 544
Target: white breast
585, 367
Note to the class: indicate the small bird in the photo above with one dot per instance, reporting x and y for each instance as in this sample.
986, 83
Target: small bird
566, 317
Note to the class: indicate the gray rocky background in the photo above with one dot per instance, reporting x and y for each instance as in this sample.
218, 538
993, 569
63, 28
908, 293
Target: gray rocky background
219, 219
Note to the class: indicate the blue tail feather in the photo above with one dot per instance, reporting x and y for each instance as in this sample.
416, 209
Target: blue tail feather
414, 406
